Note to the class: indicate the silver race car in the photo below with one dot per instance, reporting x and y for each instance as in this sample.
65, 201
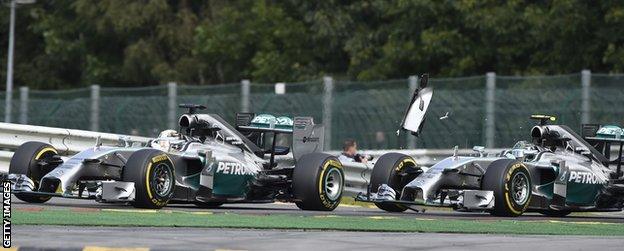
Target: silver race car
206, 162
554, 173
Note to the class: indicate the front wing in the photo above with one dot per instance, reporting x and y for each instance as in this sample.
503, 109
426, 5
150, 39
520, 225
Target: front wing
101, 191
468, 200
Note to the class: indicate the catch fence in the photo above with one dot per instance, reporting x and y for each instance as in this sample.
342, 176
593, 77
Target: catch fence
486, 110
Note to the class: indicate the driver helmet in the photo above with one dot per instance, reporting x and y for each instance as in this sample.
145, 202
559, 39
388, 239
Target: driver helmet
168, 134
164, 144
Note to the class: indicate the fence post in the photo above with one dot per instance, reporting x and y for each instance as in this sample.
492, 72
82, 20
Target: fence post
490, 100
245, 90
173, 95
413, 84
585, 96
328, 87
23, 105
95, 108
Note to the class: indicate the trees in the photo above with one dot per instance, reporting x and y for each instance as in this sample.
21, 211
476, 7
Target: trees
111, 42
258, 40
114, 42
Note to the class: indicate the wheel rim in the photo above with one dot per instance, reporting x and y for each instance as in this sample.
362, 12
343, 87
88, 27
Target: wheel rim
333, 184
520, 188
162, 179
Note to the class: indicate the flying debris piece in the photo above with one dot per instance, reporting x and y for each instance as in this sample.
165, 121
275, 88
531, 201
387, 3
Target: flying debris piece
445, 116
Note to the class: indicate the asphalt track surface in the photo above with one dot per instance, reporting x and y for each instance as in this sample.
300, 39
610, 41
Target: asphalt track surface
291, 209
53, 237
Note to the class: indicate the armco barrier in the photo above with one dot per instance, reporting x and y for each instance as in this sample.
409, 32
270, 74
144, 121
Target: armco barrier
5, 159
67, 141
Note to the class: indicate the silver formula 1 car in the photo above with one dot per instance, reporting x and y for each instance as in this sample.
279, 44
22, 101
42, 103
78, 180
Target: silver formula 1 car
556, 172
207, 162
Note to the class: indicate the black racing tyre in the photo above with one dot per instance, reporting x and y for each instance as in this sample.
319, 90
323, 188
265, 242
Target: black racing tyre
208, 204
153, 175
511, 182
554, 213
25, 161
386, 171
318, 181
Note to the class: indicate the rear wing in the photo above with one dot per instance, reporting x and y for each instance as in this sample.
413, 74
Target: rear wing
250, 122
307, 137
602, 137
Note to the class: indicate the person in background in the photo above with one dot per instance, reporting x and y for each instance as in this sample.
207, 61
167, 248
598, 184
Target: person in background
349, 153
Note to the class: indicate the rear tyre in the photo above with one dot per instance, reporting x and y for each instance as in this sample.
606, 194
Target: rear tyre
26, 160
511, 182
318, 181
153, 175
386, 171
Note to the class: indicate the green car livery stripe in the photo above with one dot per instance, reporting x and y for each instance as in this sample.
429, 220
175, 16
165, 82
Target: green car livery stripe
231, 179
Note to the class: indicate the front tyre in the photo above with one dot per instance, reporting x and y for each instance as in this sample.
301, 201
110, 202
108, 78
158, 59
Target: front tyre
510, 180
318, 181
153, 175
33, 159
387, 171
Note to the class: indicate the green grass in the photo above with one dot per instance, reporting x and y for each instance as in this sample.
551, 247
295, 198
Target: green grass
329, 222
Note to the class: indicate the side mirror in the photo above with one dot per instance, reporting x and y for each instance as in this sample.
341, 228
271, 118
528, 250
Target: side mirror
236, 143
582, 150
231, 140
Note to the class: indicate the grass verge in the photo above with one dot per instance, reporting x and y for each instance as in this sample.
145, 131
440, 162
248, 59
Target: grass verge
327, 222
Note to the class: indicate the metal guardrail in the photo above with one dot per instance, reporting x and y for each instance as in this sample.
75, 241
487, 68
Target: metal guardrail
5, 159
66, 141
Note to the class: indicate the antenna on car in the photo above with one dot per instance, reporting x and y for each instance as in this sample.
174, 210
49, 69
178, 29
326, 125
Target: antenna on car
543, 118
192, 108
